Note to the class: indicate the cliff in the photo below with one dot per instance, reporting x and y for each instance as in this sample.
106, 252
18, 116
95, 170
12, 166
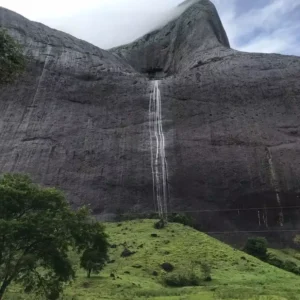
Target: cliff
79, 118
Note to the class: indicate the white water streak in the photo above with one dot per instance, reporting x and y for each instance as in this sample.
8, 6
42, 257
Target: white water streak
158, 155
275, 184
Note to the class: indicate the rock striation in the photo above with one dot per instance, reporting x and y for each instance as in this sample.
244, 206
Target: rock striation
78, 119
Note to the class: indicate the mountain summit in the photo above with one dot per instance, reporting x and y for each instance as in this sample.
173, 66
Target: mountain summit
196, 34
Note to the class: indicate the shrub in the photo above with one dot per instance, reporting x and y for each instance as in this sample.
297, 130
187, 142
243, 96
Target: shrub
258, 247
167, 267
275, 261
160, 224
181, 219
181, 279
290, 266
12, 61
206, 271
287, 265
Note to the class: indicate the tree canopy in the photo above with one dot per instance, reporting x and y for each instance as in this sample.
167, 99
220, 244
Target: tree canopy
12, 61
37, 230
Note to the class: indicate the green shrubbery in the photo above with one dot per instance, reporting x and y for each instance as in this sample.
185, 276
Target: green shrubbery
206, 271
188, 276
12, 61
181, 279
258, 247
286, 265
181, 219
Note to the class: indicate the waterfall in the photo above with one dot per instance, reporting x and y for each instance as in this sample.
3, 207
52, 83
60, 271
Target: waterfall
275, 184
158, 155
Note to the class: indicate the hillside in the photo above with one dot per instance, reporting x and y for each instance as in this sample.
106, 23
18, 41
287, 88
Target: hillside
235, 274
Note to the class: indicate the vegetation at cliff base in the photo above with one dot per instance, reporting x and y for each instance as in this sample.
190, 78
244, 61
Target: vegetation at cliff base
12, 61
48, 251
142, 273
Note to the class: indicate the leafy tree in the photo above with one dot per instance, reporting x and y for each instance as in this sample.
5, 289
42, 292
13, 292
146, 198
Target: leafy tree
37, 229
12, 61
95, 256
258, 247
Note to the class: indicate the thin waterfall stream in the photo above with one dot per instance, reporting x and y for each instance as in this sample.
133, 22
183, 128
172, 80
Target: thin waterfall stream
275, 184
158, 155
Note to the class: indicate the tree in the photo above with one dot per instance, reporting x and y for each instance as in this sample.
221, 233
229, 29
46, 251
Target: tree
92, 261
12, 61
37, 229
95, 256
258, 247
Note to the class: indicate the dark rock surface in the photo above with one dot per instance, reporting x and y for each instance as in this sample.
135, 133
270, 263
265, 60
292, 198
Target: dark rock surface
78, 120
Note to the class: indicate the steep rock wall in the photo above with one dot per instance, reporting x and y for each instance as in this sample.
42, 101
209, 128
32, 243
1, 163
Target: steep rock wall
78, 119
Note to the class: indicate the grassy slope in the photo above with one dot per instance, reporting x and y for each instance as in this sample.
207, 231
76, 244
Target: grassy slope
235, 274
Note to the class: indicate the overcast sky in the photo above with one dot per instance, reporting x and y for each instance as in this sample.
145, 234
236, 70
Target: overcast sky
252, 25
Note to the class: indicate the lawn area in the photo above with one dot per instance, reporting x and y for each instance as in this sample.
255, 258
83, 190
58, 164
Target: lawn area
235, 274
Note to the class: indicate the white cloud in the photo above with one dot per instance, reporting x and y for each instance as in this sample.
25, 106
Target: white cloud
108, 23
268, 29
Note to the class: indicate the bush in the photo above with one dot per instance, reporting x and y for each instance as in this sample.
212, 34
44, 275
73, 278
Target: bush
12, 61
160, 224
206, 271
274, 261
181, 279
291, 267
258, 247
287, 265
181, 219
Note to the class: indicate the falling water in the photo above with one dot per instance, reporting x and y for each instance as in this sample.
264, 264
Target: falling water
158, 156
258, 215
275, 184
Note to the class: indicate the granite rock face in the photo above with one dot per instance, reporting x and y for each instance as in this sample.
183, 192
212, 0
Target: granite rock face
180, 44
78, 120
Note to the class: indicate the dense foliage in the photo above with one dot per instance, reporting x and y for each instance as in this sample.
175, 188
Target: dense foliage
95, 256
37, 230
12, 61
258, 247
182, 279
287, 265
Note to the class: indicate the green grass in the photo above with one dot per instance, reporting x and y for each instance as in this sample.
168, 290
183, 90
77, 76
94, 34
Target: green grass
235, 274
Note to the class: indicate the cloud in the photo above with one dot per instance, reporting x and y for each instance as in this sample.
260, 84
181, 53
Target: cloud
254, 26
271, 28
105, 23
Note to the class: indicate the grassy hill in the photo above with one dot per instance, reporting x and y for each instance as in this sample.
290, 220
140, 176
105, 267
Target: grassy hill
140, 276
